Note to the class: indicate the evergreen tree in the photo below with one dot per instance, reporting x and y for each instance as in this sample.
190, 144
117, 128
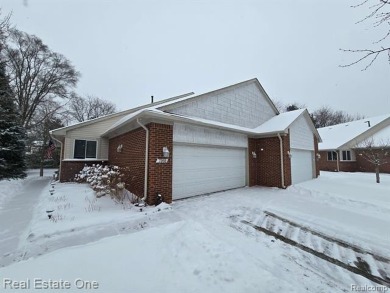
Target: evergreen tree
12, 134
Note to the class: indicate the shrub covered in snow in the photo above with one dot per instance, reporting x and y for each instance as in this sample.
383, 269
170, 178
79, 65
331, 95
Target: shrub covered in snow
106, 180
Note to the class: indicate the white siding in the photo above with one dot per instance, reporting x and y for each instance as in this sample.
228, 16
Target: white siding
90, 132
244, 105
201, 135
301, 135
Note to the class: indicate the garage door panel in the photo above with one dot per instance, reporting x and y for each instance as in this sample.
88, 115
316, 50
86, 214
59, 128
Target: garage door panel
301, 165
199, 170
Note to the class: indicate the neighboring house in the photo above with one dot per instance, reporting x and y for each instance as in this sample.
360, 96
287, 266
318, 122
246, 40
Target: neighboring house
343, 144
197, 144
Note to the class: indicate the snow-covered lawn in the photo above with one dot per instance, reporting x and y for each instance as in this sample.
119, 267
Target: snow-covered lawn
202, 244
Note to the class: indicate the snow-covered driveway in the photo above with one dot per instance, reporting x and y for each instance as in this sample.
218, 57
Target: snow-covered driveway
203, 245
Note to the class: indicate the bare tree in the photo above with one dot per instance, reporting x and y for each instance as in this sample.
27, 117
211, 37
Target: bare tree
380, 14
49, 115
4, 28
82, 109
376, 153
325, 116
36, 73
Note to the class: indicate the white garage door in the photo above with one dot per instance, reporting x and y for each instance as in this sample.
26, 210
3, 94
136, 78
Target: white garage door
301, 165
200, 170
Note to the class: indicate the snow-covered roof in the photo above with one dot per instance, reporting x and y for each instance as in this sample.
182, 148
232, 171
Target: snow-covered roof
337, 136
62, 130
277, 124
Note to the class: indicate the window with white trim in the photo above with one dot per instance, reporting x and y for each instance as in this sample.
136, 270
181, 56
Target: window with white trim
84, 149
332, 156
346, 156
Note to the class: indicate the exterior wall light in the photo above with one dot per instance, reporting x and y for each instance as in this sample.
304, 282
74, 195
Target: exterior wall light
165, 152
289, 154
254, 155
119, 148
318, 155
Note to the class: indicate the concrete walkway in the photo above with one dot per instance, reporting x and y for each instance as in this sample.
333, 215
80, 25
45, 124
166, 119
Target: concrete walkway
17, 213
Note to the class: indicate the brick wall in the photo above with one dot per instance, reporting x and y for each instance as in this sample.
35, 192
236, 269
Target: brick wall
344, 166
265, 169
70, 168
364, 166
360, 165
131, 157
324, 164
160, 174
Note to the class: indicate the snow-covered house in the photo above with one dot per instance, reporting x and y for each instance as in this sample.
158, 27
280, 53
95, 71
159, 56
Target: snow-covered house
197, 144
342, 144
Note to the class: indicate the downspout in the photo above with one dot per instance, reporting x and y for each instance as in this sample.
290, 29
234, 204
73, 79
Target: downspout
146, 160
61, 158
281, 160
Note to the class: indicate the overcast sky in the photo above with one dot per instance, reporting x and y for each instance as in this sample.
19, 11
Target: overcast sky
128, 50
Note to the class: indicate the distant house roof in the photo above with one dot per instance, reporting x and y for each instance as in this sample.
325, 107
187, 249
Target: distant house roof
345, 134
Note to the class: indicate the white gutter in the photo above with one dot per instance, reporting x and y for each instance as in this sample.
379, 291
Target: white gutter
146, 160
281, 160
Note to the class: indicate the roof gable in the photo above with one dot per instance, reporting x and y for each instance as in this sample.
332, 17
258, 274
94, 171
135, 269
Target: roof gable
243, 104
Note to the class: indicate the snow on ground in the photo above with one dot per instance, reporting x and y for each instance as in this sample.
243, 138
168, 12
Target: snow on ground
200, 244
9, 188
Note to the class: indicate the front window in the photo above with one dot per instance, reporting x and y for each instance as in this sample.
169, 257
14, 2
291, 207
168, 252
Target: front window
332, 156
85, 149
346, 155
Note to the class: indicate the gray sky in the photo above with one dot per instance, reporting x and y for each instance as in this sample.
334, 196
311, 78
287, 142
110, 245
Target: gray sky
129, 50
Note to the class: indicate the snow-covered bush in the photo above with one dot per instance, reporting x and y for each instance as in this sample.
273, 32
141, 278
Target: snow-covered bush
106, 180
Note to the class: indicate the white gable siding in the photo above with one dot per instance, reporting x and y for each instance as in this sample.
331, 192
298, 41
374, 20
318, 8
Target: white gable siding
301, 135
245, 106
90, 132
201, 135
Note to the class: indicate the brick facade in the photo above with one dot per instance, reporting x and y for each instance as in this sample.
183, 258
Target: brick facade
364, 166
70, 168
360, 165
160, 174
265, 169
132, 157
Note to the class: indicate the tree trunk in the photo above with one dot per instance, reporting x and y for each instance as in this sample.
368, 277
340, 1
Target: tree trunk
377, 174
42, 159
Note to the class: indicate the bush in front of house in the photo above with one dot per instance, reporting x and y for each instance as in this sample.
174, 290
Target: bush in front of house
106, 180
